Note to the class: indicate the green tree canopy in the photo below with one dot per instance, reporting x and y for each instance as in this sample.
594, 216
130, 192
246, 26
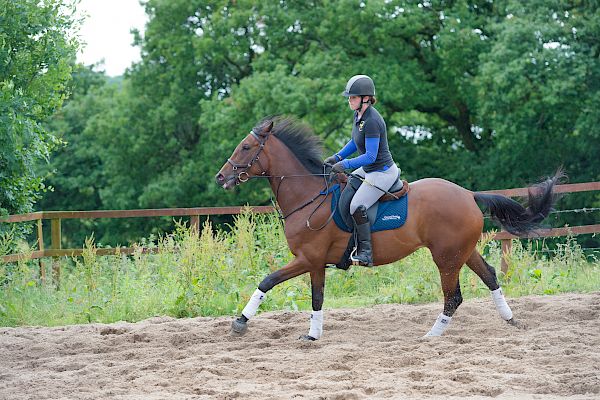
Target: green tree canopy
37, 49
489, 94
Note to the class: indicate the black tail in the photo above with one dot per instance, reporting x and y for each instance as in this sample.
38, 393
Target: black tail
514, 217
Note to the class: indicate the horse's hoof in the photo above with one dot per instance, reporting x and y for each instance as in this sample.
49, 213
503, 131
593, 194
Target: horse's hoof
238, 327
516, 324
307, 338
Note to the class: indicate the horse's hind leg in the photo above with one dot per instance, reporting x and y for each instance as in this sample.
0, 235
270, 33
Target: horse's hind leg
487, 273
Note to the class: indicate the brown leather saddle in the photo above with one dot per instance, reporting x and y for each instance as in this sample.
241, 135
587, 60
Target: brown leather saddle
349, 184
398, 189
348, 187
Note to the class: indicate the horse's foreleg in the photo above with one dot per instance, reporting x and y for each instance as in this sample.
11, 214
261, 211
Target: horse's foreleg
296, 267
317, 280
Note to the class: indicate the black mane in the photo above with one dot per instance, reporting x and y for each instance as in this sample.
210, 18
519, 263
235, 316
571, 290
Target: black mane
300, 139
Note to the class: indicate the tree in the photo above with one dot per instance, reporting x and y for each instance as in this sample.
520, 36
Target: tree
487, 94
538, 86
37, 51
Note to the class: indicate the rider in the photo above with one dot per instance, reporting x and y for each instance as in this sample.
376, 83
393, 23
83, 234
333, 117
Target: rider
374, 164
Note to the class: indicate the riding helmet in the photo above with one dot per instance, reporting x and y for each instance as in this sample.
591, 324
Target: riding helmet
359, 85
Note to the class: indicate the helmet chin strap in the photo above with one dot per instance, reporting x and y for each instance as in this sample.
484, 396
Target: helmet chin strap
359, 108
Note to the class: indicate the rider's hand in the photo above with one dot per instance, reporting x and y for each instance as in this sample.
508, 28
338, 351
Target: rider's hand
337, 167
331, 160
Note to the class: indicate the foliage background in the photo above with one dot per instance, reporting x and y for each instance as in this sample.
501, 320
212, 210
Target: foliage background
37, 53
488, 94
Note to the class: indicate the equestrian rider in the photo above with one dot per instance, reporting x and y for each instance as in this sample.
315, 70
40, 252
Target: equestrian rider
374, 163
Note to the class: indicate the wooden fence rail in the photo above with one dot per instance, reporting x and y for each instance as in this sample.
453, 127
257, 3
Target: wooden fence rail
194, 214
506, 238
56, 218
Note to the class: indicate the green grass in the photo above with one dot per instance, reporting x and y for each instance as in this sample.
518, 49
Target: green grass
216, 273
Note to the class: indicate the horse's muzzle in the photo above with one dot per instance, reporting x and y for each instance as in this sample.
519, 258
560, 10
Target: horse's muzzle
225, 183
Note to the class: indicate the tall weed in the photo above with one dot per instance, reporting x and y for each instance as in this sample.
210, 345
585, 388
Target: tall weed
214, 272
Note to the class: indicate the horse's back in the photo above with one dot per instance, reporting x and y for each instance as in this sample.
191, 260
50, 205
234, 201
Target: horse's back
443, 209
434, 190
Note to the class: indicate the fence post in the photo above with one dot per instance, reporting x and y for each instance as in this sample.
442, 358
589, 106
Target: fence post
40, 235
56, 245
506, 248
195, 224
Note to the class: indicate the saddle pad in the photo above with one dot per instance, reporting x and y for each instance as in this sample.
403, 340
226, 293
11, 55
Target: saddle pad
390, 215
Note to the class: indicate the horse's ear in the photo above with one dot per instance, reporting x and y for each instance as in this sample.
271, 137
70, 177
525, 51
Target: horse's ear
268, 127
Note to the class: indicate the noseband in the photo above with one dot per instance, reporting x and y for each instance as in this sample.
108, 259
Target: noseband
243, 174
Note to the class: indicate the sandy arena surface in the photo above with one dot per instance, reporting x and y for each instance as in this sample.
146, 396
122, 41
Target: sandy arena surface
370, 353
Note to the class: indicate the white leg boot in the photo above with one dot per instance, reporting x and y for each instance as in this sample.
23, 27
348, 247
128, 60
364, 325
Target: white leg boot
253, 304
501, 304
316, 324
441, 324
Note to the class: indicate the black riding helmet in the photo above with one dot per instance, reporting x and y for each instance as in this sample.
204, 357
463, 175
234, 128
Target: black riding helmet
359, 85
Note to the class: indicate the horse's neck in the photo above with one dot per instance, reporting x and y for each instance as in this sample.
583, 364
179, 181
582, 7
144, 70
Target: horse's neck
292, 190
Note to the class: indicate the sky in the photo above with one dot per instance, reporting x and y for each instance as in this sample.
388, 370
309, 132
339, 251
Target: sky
106, 32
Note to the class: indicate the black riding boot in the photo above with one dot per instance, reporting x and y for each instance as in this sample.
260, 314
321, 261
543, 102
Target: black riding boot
364, 254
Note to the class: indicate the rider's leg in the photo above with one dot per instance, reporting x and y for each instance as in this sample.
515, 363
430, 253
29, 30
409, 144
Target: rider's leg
364, 253
368, 193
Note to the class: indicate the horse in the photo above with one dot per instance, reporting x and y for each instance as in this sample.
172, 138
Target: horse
442, 216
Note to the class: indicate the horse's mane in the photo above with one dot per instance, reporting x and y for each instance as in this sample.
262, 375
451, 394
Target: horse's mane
300, 139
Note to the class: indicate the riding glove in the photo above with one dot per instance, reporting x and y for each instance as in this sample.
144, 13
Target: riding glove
338, 167
331, 160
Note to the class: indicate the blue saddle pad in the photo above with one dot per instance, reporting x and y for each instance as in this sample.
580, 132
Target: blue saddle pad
390, 214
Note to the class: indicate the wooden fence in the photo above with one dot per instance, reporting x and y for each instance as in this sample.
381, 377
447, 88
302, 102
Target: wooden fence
506, 238
55, 217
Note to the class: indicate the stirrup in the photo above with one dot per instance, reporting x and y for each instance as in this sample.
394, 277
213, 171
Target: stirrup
353, 258
356, 261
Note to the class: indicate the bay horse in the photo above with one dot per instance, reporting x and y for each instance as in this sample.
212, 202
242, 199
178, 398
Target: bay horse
442, 216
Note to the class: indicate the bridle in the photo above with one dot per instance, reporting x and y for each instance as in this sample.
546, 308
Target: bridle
244, 177
245, 167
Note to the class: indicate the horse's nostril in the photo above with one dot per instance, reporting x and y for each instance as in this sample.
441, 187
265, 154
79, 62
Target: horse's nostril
219, 178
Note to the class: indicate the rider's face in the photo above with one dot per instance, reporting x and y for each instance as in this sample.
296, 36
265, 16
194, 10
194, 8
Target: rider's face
354, 102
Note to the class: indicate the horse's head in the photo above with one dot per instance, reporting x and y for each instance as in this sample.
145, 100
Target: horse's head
245, 161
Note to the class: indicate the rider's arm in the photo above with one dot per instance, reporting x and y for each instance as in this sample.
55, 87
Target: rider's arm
348, 149
371, 150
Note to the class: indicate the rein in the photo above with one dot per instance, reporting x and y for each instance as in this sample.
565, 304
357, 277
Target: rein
324, 193
243, 175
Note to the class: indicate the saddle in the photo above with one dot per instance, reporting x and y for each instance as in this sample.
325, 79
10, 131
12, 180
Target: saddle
389, 212
350, 184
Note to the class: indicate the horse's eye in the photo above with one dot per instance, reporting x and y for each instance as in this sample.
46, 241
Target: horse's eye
246, 147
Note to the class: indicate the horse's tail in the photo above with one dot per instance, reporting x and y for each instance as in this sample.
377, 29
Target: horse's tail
514, 217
